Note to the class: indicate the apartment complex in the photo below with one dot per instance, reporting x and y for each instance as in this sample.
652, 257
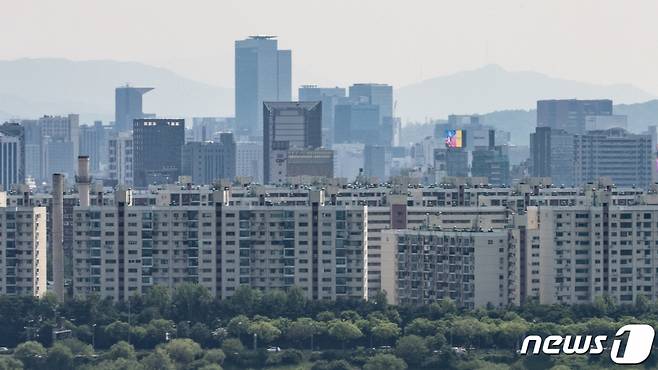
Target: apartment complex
475, 244
23, 261
472, 268
582, 252
123, 249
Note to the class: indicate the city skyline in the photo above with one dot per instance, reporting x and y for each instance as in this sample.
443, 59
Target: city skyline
197, 50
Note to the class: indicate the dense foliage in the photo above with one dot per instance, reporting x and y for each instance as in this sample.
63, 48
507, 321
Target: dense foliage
188, 329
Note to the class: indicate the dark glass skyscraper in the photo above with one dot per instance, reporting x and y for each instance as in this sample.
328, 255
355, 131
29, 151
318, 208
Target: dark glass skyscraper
128, 106
552, 155
262, 73
16, 130
157, 147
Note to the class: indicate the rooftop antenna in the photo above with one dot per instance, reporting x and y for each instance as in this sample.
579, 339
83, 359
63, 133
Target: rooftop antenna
262, 37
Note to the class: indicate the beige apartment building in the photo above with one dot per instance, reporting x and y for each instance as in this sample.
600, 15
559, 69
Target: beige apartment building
471, 268
124, 249
23, 262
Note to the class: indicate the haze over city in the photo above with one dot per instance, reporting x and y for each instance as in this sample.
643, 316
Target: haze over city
338, 185
340, 42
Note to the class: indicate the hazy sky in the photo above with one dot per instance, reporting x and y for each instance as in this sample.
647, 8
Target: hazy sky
336, 42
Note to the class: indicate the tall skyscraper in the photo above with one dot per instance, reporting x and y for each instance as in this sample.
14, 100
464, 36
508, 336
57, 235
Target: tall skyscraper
377, 94
157, 147
286, 126
15, 130
34, 155
120, 159
11, 161
93, 143
570, 114
376, 162
60, 145
209, 161
262, 73
128, 106
357, 122
329, 96
249, 160
552, 155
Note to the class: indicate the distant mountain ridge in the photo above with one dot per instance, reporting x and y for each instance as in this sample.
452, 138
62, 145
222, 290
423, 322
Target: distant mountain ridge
34, 87
492, 88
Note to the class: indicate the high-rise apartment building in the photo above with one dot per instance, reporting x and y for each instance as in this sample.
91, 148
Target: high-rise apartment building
288, 126
128, 106
599, 247
157, 144
23, 261
125, 249
209, 161
471, 268
570, 114
262, 73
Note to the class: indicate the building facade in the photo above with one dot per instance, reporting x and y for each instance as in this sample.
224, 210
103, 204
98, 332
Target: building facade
570, 114
492, 163
471, 268
23, 260
120, 159
60, 144
249, 160
157, 145
288, 126
329, 96
11, 162
209, 161
125, 249
128, 106
262, 73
